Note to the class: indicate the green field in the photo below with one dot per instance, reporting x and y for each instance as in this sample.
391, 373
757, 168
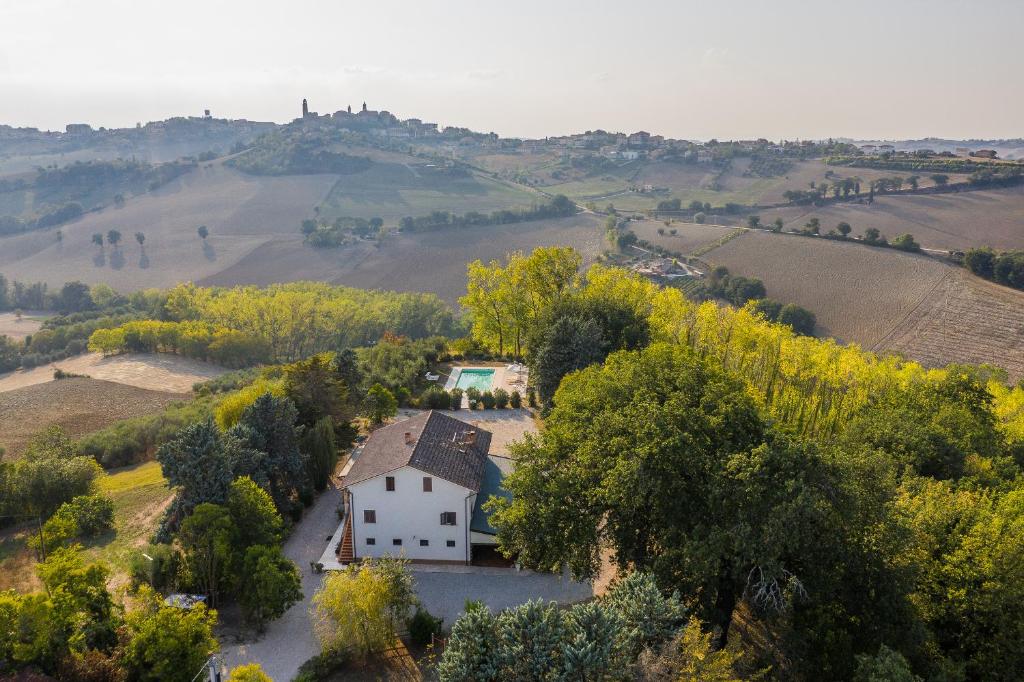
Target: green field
392, 191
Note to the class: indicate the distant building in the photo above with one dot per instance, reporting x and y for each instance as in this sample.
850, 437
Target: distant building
639, 140
206, 113
305, 108
963, 151
985, 154
78, 128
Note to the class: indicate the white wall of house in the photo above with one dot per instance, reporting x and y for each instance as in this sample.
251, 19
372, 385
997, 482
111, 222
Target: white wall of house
411, 515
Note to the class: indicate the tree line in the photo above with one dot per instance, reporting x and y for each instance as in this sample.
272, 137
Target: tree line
282, 322
1002, 267
558, 206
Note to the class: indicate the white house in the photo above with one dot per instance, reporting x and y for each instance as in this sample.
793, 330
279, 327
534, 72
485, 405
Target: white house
417, 489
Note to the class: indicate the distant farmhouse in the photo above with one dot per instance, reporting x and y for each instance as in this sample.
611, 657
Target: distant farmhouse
417, 489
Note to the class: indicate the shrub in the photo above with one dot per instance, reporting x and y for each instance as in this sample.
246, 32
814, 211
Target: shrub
423, 626
515, 400
435, 398
501, 398
455, 402
322, 667
157, 566
487, 400
906, 242
92, 514
531, 397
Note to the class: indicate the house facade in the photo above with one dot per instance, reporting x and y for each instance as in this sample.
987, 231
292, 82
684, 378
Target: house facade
415, 490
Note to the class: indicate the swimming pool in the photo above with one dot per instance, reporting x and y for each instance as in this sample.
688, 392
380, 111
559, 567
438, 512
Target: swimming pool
478, 378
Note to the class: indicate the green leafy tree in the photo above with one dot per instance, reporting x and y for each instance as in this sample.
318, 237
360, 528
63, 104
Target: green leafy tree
360, 608
97, 239
254, 518
113, 237
198, 462
270, 584
140, 237
619, 452
844, 228
317, 391
83, 614
206, 537
321, 452
203, 232
940, 179
251, 672
168, 644
886, 666
268, 427
380, 404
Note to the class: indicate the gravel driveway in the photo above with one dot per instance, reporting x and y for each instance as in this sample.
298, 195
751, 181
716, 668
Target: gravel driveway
289, 641
445, 594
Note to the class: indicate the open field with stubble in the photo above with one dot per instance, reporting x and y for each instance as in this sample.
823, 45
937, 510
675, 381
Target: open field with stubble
18, 327
241, 212
952, 221
428, 261
886, 300
688, 236
155, 372
77, 405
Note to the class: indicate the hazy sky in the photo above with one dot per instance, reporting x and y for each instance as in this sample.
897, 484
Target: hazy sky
718, 68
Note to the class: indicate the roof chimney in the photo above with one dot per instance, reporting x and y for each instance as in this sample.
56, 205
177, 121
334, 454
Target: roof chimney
470, 438
408, 438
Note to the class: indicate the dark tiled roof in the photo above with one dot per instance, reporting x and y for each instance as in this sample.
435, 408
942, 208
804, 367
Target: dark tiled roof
438, 445
495, 470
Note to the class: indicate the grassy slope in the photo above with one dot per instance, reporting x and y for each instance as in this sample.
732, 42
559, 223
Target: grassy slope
140, 495
394, 190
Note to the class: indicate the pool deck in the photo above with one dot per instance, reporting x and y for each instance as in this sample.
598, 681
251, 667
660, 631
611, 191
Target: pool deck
503, 378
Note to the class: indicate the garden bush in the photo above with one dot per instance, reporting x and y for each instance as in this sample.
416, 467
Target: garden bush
456, 399
487, 400
501, 398
423, 627
515, 400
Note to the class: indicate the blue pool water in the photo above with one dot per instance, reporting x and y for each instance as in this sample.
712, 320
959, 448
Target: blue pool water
480, 379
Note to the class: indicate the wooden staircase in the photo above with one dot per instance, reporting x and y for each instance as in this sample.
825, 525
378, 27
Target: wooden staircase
346, 553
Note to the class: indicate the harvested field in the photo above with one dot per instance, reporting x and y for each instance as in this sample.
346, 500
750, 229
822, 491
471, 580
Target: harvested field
688, 182
77, 405
886, 300
964, 320
688, 237
428, 261
241, 212
858, 293
156, 372
18, 329
940, 221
